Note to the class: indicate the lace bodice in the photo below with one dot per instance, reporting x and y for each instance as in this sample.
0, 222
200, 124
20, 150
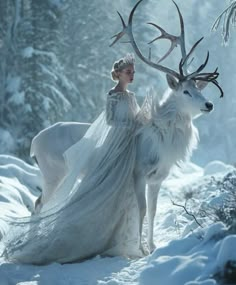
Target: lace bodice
121, 108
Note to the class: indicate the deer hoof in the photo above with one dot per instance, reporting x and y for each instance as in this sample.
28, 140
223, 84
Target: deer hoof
151, 246
144, 250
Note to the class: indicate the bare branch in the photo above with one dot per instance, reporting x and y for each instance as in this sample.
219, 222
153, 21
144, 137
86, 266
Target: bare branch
187, 212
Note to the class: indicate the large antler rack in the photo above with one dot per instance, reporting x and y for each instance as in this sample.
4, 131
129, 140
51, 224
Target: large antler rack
183, 74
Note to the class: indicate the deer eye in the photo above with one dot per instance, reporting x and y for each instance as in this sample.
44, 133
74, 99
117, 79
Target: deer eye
187, 93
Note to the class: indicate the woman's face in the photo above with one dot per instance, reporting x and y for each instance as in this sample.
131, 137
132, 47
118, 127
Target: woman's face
126, 75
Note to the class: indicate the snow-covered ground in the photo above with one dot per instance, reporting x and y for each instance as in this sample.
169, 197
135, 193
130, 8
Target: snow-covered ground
191, 250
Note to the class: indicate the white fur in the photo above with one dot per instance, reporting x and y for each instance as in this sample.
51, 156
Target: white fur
167, 139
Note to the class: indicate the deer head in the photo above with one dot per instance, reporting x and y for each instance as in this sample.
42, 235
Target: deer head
188, 98
187, 86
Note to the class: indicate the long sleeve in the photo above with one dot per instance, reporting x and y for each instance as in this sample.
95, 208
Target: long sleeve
111, 106
121, 109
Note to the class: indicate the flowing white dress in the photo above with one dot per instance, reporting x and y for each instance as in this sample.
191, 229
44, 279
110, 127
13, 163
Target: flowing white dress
94, 210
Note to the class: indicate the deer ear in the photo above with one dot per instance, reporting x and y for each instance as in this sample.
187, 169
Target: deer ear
201, 84
172, 81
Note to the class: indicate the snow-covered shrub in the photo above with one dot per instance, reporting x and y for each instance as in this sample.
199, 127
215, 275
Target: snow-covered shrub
201, 210
227, 212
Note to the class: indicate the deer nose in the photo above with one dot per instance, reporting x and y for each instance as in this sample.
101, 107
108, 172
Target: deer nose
209, 106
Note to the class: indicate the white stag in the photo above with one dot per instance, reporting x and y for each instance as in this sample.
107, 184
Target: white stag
169, 136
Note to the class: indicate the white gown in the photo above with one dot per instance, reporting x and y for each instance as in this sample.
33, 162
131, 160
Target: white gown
94, 210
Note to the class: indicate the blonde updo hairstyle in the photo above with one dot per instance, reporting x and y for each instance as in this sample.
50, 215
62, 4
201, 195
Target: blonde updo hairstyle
121, 64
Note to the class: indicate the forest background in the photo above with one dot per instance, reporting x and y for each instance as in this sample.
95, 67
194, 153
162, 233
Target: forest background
55, 64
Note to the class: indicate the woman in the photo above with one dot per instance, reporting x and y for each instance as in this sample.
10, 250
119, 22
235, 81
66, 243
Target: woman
100, 214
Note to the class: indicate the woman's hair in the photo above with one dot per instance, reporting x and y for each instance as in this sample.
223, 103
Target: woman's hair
121, 64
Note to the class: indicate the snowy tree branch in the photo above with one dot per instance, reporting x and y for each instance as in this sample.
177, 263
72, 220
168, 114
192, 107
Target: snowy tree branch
228, 15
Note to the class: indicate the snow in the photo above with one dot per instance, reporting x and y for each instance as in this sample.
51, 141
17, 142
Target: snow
13, 84
216, 166
28, 52
186, 254
13, 87
7, 141
57, 3
225, 252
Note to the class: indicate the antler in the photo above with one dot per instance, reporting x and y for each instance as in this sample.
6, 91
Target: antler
127, 29
183, 74
209, 77
175, 40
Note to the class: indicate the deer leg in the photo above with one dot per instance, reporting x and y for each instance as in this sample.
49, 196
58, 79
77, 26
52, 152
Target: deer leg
152, 195
140, 185
37, 205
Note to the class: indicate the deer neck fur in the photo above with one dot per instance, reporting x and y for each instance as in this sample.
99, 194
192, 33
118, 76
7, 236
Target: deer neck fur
176, 134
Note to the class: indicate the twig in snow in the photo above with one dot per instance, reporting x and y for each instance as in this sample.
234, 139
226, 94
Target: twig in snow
187, 212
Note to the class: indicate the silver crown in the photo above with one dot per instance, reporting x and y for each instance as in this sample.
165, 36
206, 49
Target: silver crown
124, 62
